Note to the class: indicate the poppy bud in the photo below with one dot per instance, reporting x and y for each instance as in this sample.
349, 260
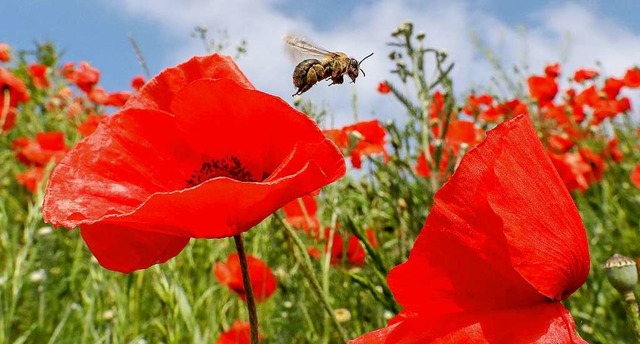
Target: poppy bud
621, 273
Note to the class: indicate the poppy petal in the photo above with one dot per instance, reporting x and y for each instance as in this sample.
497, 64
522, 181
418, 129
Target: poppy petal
159, 92
117, 247
482, 275
547, 240
137, 158
544, 323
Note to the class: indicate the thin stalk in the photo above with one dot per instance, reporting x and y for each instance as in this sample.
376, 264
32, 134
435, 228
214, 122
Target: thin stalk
246, 280
631, 306
303, 258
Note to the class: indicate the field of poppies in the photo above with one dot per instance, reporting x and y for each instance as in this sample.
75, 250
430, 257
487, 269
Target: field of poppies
203, 210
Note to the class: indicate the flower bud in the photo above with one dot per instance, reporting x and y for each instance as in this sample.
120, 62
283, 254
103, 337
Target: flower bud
621, 273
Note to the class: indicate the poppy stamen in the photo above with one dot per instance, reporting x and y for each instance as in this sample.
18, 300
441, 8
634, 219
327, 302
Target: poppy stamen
225, 167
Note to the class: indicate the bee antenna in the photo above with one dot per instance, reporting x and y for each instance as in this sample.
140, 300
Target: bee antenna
366, 57
362, 70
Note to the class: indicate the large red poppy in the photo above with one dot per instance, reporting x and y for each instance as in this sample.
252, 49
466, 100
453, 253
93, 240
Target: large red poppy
196, 153
502, 245
263, 282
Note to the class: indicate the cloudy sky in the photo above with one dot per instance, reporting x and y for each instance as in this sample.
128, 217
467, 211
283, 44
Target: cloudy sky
533, 33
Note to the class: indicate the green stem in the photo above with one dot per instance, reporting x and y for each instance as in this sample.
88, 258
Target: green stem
248, 290
303, 258
631, 305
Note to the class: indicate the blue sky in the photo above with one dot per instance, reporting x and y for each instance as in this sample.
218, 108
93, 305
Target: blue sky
577, 33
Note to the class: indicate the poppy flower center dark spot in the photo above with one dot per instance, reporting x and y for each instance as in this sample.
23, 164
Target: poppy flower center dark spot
225, 167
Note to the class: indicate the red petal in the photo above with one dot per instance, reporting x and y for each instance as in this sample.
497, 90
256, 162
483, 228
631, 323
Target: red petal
159, 92
544, 323
120, 247
471, 254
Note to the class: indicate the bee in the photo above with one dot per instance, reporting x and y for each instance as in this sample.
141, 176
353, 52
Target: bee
333, 65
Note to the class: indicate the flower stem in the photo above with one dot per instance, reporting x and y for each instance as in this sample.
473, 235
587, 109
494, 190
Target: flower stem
303, 258
251, 302
631, 305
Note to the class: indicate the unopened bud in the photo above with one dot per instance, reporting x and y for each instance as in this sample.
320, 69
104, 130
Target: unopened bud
621, 273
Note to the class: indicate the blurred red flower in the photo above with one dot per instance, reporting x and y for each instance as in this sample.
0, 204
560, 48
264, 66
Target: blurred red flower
635, 176
38, 73
573, 170
613, 150
137, 82
47, 146
86, 77
31, 178
90, 124
632, 77
584, 74
192, 139
360, 139
5, 52
384, 88
501, 247
263, 282
355, 253
612, 87
239, 333
117, 99
303, 218
543, 89
12, 88
552, 70
7, 120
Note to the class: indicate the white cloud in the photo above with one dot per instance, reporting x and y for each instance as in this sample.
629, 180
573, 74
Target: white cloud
449, 25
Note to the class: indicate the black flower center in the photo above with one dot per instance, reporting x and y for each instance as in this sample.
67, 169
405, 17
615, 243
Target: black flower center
225, 167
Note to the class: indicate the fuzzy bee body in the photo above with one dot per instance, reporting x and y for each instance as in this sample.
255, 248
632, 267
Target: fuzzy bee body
334, 65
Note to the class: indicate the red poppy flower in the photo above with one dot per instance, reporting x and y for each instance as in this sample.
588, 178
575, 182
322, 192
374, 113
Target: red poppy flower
8, 121
573, 170
437, 105
48, 146
137, 82
501, 247
216, 155
635, 176
18, 91
612, 87
512, 108
31, 178
584, 74
303, 218
552, 70
90, 124
559, 143
117, 99
86, 77
38, 73
98, 95
632, 77
356, 252
360, 139
263, 282
543, 89
5, 52
423, 168
595, 162
476, 104
384, 88
613, 150
239, 333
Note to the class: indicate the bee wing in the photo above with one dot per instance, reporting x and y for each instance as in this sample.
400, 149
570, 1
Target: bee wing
299, 45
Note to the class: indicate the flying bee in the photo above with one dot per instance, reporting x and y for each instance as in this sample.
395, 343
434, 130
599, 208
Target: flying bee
333, 65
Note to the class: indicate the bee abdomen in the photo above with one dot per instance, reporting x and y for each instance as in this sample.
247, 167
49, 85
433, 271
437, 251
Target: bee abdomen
306, 74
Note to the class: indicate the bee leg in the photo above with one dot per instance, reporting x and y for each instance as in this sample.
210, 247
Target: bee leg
337, 80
